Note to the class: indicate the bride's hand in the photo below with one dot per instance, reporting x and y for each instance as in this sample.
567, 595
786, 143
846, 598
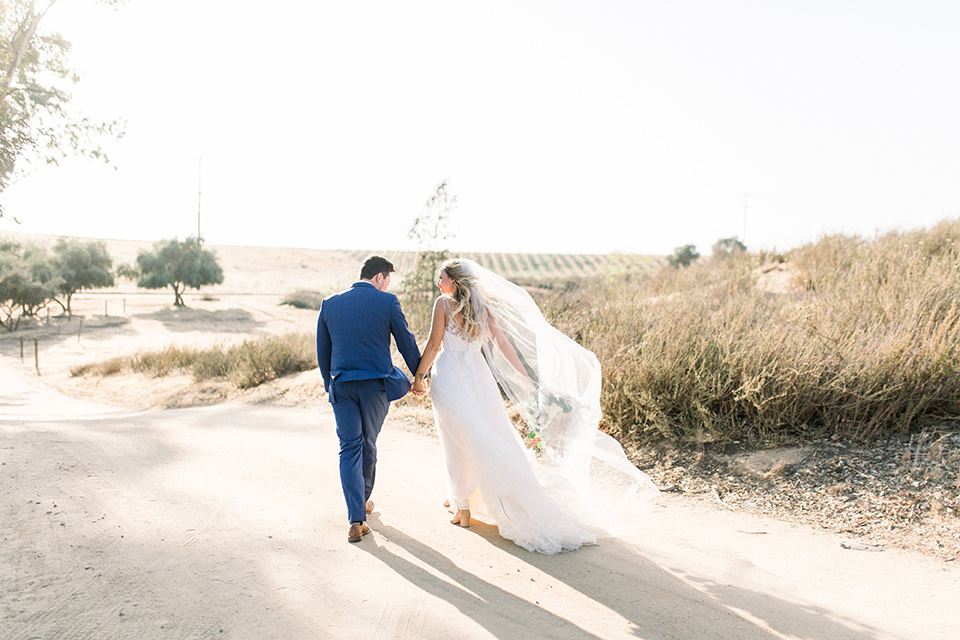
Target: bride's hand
419, 388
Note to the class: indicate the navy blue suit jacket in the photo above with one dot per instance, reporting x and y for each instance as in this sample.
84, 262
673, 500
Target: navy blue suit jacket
353, 336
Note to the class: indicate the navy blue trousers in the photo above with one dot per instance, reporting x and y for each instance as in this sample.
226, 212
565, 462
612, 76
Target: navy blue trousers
359, 408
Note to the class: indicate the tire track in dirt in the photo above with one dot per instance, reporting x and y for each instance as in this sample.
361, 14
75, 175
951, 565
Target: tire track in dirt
400, 618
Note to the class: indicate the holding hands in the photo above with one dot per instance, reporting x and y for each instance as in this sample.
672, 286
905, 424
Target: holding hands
421, 384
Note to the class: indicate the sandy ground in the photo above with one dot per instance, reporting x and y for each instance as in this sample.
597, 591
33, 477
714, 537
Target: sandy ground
126, 513
227, 521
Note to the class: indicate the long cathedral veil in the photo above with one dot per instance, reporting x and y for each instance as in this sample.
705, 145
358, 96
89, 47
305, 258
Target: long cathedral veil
558, 399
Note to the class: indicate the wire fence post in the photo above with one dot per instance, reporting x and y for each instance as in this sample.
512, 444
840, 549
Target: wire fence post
21, 347
36, 354
80, 330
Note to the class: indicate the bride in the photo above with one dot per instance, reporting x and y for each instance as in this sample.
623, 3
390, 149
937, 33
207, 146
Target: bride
487, 332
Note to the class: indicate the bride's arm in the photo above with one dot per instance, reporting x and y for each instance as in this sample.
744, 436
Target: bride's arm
506, 347
432, 348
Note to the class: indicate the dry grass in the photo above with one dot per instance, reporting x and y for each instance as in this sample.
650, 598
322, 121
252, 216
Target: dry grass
870, 347
305, 299
867, 344
247, 364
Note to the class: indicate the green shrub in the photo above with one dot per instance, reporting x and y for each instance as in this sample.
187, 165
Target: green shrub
683, 256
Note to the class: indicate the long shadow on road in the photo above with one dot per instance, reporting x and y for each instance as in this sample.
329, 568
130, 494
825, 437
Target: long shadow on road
668, 605
502, 613
656, 602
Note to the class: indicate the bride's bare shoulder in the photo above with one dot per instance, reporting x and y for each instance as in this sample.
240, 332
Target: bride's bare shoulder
442, 305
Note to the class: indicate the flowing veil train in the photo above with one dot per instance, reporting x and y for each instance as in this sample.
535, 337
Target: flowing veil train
559, 401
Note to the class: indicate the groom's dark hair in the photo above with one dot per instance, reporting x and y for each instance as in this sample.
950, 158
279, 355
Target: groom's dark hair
374, 265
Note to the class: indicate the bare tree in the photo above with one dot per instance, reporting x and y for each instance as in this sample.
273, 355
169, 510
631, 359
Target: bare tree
430, 232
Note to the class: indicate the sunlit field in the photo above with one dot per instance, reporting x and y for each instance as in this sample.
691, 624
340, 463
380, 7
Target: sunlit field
865, 342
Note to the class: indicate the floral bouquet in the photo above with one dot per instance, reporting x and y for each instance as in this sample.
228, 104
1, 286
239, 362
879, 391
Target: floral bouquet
540, 411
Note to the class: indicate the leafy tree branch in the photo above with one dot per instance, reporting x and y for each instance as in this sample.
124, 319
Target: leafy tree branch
38, 123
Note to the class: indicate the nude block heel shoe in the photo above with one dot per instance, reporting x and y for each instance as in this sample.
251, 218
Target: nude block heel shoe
462, 518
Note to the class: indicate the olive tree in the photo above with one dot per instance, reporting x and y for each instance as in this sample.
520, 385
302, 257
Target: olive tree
81, 265
28, 282
178, 264
12, 277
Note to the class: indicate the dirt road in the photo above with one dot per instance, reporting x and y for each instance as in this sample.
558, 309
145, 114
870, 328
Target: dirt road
228, 522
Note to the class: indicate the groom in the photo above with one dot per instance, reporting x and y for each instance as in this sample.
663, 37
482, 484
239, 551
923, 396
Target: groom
353, 350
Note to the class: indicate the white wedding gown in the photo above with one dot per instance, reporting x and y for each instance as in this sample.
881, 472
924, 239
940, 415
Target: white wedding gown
488, 468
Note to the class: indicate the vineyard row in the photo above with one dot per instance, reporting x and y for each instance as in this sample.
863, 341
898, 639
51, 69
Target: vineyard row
538, 266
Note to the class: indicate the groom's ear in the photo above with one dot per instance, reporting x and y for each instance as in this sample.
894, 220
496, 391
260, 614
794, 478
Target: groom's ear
381, 281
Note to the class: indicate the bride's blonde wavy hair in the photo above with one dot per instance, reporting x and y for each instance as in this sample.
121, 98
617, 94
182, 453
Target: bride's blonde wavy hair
469, 306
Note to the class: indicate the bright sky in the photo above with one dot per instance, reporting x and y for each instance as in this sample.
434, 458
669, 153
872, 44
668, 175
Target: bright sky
582, 126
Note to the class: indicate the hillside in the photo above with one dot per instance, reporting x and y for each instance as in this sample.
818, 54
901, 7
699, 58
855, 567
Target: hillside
266, 270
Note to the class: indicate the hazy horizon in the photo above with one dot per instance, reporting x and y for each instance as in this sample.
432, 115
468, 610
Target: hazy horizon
562, 126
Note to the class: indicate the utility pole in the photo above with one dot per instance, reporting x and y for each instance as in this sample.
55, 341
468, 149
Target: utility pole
744, 238
199, 182
199, 191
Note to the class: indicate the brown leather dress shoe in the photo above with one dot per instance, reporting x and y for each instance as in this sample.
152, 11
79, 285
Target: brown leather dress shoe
369, 506
357, 530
